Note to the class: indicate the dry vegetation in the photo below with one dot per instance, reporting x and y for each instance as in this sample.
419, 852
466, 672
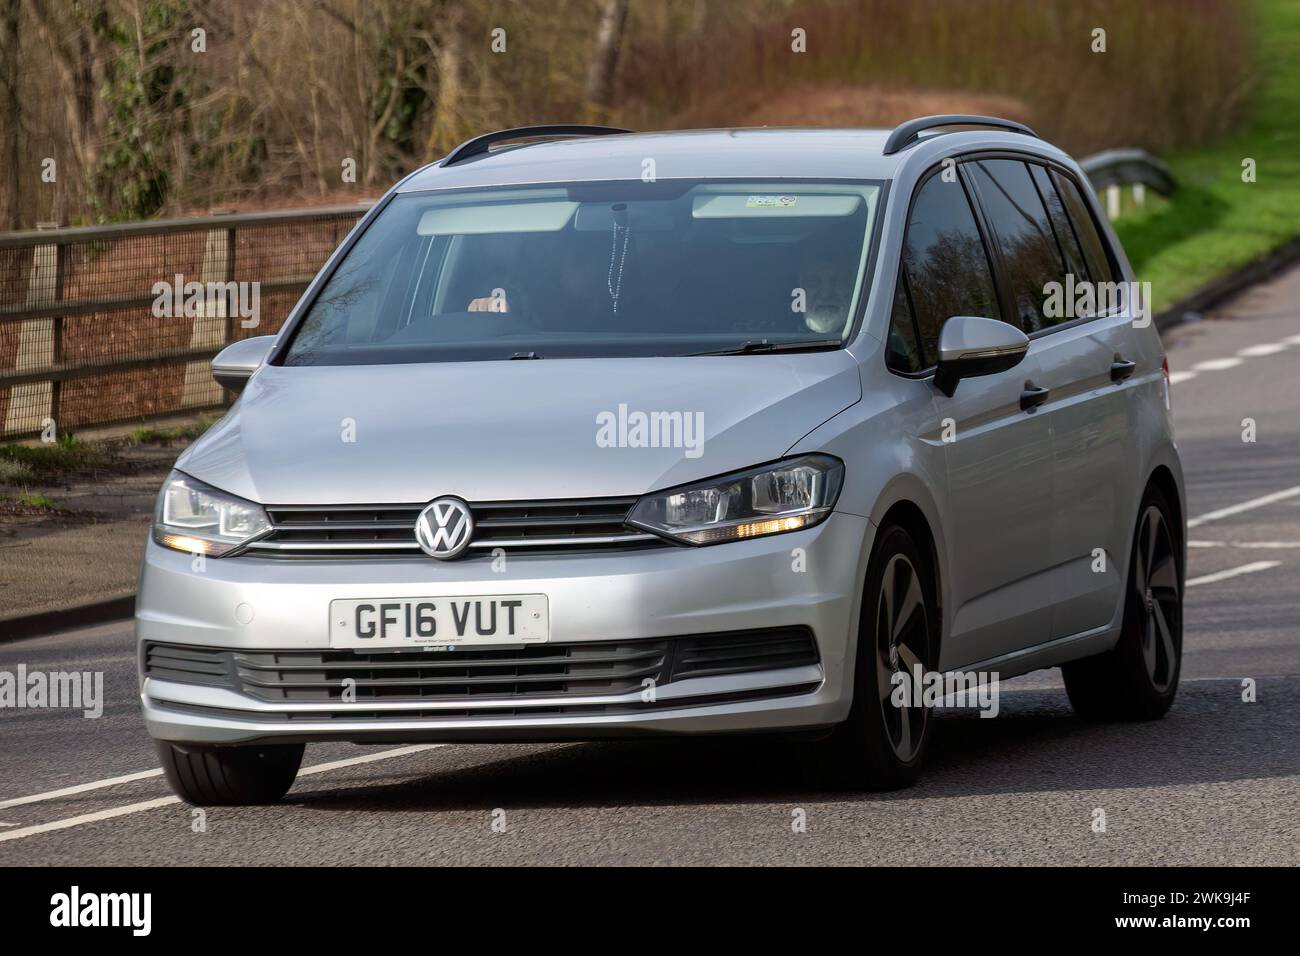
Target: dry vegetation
284, 93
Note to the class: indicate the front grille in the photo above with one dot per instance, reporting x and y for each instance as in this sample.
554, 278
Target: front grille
479, 674
515, 526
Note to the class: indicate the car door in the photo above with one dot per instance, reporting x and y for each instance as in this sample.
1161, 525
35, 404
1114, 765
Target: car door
1082, 365
997, 509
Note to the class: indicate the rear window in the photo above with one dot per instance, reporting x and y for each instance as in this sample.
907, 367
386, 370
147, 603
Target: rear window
591, 269
1095, 255
1067, 238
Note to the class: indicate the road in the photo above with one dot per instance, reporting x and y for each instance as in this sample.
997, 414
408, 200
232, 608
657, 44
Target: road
1213, 783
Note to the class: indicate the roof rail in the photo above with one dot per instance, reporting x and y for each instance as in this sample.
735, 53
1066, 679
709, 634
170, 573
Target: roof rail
481, 144
905, 134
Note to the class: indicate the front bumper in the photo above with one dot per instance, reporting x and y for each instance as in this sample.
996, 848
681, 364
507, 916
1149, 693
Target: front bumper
805, 579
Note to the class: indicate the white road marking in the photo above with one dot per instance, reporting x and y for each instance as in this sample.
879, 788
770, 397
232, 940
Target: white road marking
88, 818
1216, 365
1245, 506
1293, 340
1258, 545
1176, 377
154, 804
1235, 680
1256, 351
1212, 578
80, 788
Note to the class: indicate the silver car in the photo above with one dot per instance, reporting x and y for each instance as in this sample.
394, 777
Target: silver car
583, 433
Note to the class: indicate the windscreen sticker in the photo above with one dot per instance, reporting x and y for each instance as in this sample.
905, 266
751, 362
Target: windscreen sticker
765, 202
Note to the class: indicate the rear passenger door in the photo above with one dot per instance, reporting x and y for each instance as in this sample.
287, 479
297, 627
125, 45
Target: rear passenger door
997, 510
1044, 234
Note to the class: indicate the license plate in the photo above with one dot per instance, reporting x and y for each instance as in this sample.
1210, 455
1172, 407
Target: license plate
407, 622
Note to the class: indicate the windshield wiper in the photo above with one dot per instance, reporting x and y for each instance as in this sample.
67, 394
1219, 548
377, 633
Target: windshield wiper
754, 346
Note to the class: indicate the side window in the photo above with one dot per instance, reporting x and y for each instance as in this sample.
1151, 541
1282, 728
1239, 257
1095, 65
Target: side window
1094, 247
903, 352
945, 264
1066, 238
1030, 255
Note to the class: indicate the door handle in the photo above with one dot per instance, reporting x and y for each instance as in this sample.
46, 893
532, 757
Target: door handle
1033, 396
1121, 369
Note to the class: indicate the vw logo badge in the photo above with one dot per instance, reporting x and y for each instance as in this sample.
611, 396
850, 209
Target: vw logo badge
444, 528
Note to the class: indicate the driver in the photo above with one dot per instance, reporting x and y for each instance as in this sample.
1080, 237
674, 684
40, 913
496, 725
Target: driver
827, 293
575, 286
490, 303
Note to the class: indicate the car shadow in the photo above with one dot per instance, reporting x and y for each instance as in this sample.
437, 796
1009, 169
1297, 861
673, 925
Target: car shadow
1034, 744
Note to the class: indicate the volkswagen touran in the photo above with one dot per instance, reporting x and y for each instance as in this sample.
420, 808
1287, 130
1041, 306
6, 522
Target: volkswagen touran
586, 433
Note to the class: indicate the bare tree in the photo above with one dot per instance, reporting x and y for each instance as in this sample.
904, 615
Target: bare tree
11, 117
447, 127
604, 58
78, 60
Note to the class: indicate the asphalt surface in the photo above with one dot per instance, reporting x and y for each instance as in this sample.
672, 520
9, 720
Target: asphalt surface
1215, 782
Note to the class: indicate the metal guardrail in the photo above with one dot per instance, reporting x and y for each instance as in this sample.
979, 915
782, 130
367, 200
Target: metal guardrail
81, 340
1112, 170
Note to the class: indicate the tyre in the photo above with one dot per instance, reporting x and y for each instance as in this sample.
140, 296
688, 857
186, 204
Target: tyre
881, 745
1138, 678
230, 776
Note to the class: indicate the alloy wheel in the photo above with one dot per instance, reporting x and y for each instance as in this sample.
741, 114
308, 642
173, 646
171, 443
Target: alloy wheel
902, 645
1155, 575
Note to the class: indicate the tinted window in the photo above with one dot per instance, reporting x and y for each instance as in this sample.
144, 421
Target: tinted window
904, 347
944, 261
1066, 240
1024, 236
1094, 250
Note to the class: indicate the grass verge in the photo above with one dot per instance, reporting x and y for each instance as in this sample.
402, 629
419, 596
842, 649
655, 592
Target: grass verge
165, 436
26, 464
1217, 222
20, 464
28, 506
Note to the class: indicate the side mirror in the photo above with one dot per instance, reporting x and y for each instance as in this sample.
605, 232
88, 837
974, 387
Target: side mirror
236, 363
972, 345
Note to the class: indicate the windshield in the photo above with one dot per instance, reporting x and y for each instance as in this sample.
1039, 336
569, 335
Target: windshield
596, 269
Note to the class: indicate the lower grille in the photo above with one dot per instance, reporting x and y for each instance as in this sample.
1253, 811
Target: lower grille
187, 665
535, 670
301, 531
742, 653
476, 674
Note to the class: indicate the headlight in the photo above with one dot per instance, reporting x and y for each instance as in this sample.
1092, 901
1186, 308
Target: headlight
197, 518
772, 499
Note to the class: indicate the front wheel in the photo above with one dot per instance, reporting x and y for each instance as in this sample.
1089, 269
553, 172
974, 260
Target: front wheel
230, 776
882, 743
1138, 678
